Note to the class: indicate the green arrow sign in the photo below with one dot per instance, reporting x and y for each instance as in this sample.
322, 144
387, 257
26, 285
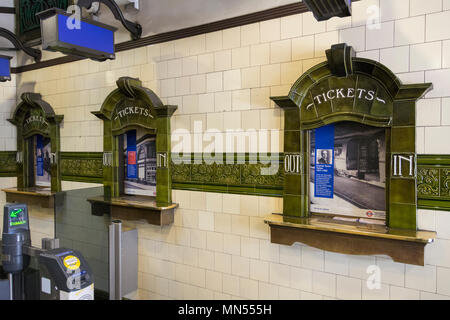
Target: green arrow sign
14, 213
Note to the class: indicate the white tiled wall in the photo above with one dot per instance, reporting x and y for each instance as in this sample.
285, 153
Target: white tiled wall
7, 106
219, 247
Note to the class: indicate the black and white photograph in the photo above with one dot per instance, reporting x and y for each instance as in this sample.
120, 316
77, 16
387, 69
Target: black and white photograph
359, 172
145, 181
324, 156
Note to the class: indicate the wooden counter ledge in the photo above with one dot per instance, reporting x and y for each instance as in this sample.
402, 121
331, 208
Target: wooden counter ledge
134, 208
34, 196
406, 246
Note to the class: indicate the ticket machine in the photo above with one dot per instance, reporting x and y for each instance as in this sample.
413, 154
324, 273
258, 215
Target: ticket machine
15, 235
63, 274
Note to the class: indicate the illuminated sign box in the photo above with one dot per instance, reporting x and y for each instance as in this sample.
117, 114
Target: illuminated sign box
84, 38
326, 9
5, 68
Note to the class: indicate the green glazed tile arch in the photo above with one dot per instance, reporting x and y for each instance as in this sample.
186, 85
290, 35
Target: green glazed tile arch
303, 84
377, 71
33, 102
129, 88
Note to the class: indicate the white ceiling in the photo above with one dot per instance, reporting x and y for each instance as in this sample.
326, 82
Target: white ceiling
157, 16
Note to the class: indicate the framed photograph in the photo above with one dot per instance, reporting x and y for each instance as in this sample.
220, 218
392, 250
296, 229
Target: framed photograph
42, 163
347, 170
324, 156
139, 163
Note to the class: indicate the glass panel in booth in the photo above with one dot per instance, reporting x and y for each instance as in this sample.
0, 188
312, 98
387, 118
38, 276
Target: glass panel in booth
78, 229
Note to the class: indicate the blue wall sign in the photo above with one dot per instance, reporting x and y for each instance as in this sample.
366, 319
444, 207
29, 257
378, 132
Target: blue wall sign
131, 155
86, 38
5, 68
88, 35
324, 162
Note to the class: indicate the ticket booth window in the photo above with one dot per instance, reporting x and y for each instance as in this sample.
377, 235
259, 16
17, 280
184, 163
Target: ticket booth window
38, 152
351, 125
136, 135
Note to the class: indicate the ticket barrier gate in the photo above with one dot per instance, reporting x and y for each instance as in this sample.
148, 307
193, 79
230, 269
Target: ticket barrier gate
62, 274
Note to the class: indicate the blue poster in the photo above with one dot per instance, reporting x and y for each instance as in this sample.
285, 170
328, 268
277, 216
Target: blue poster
324, 162
131, 155
39, 156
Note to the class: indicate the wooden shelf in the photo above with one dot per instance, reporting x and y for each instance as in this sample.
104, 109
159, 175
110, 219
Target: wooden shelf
134, 208
324, 233
34, 196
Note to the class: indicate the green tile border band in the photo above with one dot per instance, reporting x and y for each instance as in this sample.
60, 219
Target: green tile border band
433, 182
237, 173
82, 166
8, 167
243, 190
433, 175
433, 159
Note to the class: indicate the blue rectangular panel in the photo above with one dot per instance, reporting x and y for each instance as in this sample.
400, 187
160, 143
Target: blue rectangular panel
131, 155
87, 36
324, 162
5, 70
39, 156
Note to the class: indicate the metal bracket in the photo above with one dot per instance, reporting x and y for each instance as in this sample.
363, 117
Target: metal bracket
133, 5
35, 53
47, 244
95, 7
134, 28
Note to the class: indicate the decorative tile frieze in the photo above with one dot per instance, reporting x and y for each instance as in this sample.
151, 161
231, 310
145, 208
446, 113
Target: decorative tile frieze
237, 173
28, 24
433, 182
428, 181
433, 175
8, 164
82, 166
